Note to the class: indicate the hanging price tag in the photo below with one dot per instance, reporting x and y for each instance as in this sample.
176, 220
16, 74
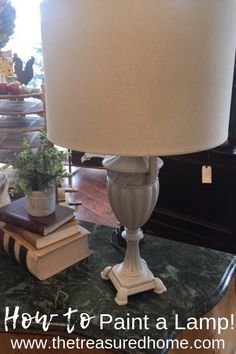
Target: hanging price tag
206, 174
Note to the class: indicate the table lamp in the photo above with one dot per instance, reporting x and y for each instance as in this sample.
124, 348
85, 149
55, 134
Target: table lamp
137, 79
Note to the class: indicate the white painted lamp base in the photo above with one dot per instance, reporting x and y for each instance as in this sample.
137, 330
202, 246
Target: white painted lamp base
133, 189
126, 286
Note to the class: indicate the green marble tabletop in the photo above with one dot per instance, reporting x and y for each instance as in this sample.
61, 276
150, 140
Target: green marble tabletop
196, 279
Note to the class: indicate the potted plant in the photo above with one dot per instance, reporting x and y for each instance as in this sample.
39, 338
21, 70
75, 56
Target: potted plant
38, 171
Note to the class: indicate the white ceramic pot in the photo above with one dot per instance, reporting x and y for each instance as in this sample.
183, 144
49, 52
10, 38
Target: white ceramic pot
41, 203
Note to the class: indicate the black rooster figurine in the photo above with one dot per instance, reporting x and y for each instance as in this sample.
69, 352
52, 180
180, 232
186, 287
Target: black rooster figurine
23, 76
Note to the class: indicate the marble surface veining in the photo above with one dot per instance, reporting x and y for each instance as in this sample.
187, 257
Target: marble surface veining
196, 279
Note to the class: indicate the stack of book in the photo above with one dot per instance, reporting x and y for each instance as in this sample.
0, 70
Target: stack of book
45, 245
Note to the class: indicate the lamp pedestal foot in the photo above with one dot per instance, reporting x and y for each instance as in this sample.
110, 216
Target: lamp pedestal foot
132, 276
126, 286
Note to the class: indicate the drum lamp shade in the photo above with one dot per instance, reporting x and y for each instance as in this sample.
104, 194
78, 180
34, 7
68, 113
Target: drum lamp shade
138, 77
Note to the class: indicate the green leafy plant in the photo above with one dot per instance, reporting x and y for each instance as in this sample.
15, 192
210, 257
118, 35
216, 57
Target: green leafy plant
7, 21
40, 168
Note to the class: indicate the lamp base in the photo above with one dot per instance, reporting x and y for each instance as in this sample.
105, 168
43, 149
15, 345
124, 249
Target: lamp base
133, 188
126, 285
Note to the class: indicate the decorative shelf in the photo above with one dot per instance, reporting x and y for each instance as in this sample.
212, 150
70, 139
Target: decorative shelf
21, 108
21, 124
22, 96
21, 116
14, 140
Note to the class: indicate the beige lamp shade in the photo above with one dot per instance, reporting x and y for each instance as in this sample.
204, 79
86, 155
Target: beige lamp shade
138, 77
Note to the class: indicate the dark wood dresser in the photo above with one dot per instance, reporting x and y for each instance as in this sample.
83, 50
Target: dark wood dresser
190, 211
